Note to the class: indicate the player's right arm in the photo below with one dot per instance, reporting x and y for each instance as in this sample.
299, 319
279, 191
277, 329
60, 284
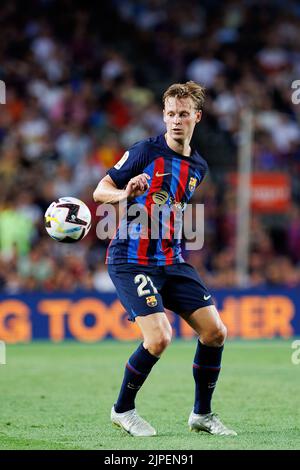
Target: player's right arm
108, 192
126, 180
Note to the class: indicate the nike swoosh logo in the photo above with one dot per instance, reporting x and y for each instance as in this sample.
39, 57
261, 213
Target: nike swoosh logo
161, 174
206, 297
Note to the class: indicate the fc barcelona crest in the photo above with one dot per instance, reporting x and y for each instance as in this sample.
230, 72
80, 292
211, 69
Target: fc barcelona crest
151, 301
192, 184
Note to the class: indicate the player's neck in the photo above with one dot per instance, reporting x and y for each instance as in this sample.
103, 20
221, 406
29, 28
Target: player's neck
183, 148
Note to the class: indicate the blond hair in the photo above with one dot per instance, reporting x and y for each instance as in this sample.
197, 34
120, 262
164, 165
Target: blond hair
186, 90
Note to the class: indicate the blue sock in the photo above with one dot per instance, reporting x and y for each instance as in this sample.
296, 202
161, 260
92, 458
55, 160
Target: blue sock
206, 369
137, 370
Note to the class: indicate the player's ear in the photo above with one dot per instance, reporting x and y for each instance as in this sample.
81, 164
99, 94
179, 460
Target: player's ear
164, 115
198, 116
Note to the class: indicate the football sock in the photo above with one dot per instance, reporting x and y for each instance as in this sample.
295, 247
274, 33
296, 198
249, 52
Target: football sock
206, 369
137, 370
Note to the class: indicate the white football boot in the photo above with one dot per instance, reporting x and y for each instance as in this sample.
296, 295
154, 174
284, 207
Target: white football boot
132, 423
210, 423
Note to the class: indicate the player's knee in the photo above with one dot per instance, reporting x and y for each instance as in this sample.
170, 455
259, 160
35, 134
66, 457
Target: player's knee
159, 343
222, 335
215, 337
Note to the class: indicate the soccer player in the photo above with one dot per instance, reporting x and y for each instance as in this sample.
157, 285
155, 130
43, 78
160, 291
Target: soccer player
150, 274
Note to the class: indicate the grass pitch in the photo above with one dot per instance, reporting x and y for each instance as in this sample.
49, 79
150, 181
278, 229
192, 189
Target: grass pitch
59, 396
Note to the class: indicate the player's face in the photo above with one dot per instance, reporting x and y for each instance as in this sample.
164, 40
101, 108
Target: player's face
181, 117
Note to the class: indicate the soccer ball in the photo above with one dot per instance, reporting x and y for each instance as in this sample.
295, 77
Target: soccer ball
68, 220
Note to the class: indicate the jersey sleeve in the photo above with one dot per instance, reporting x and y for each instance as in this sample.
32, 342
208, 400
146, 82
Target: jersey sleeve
201, 171
131, 164
204, 170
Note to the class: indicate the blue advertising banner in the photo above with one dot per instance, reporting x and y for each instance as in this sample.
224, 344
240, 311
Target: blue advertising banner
91, 316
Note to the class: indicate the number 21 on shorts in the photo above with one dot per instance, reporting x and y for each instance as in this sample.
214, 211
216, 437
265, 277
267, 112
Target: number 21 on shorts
143, 280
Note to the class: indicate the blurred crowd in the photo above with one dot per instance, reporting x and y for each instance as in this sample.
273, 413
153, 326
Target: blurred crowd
85, 83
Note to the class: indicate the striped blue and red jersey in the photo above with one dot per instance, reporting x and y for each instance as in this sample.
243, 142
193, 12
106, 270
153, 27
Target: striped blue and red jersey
173, 179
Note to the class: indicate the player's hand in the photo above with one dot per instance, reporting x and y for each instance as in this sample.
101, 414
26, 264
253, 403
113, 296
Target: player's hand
137, 186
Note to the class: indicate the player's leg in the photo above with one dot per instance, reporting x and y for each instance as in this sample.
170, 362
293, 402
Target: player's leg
207, 323
185, 294
157, 332
138, 290
211, 331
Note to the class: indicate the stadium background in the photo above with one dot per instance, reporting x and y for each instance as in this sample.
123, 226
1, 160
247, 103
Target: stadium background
82, 84
85, 83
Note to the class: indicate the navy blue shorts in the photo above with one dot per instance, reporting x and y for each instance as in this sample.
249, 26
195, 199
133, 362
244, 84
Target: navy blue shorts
143, 290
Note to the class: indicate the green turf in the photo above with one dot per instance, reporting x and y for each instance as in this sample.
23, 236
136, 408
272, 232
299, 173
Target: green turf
58, 396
